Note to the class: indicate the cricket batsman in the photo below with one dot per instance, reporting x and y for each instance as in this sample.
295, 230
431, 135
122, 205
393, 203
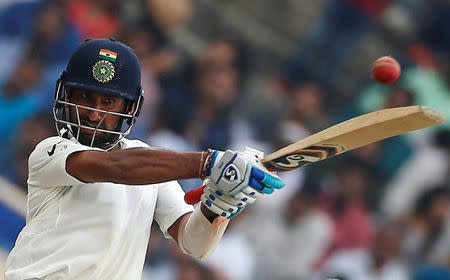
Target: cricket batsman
93, 194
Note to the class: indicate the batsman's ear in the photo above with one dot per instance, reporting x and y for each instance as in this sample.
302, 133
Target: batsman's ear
134, 108
131, 107
139, 102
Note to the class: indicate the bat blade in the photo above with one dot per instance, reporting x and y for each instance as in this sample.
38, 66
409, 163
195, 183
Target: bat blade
346, 136
352, 134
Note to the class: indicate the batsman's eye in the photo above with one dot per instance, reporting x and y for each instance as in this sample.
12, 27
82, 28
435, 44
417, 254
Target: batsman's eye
109, 100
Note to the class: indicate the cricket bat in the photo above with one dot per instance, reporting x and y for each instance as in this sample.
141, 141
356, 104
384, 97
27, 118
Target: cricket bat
345, 136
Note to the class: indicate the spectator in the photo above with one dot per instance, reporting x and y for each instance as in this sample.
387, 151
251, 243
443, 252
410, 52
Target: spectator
428, 167
229, 50
388, 156
167, 262
16, 22
434, 31
303, 114
340, 28
159, 263
95, 19
17, 103
216, 91
214, 79
192, 270
427, 240
12, 223
142, 43
306, 108
169, 15
346, 207
53, 37
38, 26
162, 18
381, 262
428, 87
16, 19
241, 266
296, 236
397, 150
30, 133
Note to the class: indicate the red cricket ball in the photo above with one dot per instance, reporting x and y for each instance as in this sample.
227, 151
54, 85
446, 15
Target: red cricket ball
386, 70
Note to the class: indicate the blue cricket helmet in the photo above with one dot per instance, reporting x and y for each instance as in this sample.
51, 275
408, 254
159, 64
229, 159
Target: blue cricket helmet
104, 66
121, 76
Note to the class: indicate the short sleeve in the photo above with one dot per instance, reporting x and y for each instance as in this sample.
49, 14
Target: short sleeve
47, 163
170, 205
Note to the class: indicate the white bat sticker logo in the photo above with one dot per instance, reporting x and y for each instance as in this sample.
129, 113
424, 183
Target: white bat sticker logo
293, 161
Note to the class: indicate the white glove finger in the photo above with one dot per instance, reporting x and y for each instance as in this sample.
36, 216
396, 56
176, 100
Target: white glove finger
252, 192
214, 208
227, 198
245, 198
219, 202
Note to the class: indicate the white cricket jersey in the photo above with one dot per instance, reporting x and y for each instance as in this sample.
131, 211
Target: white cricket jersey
87, 231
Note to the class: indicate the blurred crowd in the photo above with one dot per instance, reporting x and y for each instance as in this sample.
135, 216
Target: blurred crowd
379, 212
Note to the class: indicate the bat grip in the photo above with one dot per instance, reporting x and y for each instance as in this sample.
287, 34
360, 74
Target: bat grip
193, 196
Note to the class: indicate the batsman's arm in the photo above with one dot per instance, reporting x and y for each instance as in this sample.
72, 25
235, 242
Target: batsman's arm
137, 166
232, 174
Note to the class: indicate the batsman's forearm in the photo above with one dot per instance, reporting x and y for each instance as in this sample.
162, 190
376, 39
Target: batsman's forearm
147, 166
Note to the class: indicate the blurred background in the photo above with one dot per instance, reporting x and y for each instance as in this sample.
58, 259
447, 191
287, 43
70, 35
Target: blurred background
260, 73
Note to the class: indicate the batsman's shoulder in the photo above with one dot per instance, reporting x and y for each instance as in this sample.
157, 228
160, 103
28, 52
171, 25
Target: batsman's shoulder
49, 142
47, 147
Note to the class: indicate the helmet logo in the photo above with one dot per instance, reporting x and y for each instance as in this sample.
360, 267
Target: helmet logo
103, 71
108, 55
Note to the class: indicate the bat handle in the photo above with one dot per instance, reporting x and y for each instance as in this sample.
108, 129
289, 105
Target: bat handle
193, 196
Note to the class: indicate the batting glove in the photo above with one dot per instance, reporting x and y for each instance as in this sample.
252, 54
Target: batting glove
235, 180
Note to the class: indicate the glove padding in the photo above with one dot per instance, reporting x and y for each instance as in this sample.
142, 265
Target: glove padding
235, 180
221, 203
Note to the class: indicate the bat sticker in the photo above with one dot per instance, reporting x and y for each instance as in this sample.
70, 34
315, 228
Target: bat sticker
305, 156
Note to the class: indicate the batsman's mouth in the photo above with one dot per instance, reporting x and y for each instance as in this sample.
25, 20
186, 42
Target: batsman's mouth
87, 130
91, 130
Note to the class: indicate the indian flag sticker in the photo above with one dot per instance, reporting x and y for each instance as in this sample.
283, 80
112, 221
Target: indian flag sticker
109, 55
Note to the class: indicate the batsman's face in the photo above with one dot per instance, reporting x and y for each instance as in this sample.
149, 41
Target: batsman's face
93, 118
